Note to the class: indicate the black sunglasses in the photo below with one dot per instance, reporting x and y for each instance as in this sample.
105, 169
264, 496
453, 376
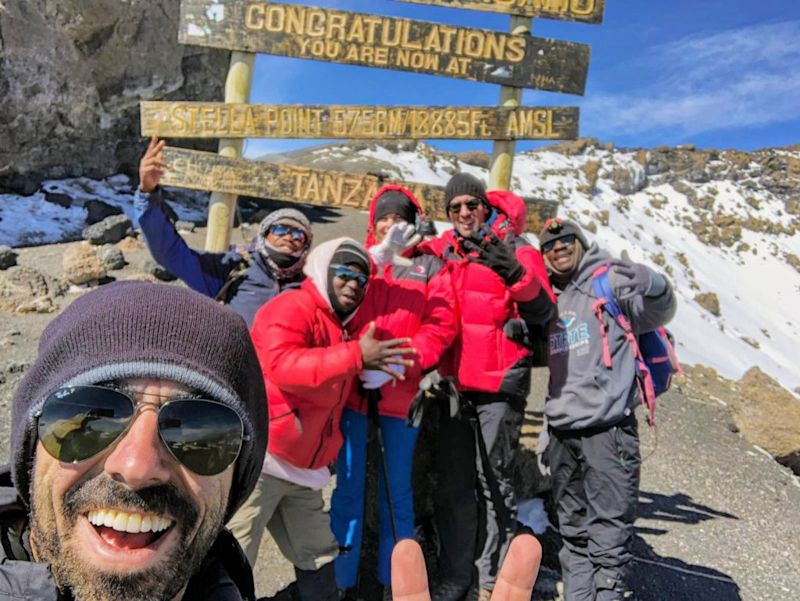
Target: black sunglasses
280, 229
348, 275
78, 422
471, 205
565, 240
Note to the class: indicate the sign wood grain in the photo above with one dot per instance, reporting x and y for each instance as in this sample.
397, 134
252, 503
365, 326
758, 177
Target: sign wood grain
221, 120
385, 42
289, 183
585, 11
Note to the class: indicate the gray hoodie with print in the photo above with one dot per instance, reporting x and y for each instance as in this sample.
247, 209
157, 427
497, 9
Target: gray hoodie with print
583, 392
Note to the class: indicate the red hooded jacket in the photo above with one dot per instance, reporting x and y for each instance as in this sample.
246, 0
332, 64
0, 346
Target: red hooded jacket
415, 301
309, 365
483, 357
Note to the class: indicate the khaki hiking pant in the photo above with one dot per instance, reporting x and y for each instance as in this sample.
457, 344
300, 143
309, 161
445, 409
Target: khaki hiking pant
294, 516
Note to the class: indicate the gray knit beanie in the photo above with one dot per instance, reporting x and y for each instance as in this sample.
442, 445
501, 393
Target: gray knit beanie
558, 228
137, 329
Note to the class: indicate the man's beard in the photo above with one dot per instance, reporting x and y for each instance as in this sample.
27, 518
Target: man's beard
159, 582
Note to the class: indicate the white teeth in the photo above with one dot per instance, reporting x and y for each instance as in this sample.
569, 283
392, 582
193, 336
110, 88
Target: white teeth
128, 522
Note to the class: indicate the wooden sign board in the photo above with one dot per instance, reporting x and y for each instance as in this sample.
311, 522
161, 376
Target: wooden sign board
220, 120
585, 11
385, 42
289, 183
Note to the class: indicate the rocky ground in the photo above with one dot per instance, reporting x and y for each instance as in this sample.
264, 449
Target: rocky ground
719, 518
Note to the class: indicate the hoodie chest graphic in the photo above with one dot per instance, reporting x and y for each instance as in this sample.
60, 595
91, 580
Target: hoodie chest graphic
569, 335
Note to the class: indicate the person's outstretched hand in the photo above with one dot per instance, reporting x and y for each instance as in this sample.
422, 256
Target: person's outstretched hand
385, 355
514, 583
152, 166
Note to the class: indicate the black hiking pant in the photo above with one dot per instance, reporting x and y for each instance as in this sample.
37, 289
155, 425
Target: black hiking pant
475, 505
595, 488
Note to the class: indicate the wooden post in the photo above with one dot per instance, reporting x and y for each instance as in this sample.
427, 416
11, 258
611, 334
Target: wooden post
222, 207
503, 150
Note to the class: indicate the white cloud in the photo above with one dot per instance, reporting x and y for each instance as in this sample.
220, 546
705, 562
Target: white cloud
737, 78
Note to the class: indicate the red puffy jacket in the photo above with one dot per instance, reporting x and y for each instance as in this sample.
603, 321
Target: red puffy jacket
483, 358
309, 366
415, 301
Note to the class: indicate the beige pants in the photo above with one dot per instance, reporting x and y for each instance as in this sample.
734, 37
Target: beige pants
295, 518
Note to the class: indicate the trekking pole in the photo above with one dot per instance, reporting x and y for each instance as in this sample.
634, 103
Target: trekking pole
492, 484
373, 397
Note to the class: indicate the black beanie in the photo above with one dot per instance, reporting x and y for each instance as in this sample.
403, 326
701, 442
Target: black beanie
558, 228
136, 329
465, 183
350, 252
394, 201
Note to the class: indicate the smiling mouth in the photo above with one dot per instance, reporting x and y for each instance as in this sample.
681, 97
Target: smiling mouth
128, 530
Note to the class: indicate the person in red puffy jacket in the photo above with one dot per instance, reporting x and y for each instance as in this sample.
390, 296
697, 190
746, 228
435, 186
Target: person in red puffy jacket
411, 296
309, 363
501, 286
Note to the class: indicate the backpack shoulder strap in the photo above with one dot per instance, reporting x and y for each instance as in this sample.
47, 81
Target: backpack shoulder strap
602, 290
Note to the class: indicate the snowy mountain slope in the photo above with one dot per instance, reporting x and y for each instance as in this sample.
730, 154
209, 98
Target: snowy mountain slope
722, 225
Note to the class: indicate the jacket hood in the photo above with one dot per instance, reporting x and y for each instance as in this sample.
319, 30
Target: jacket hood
316, 269
593, 258
512, 207
370, 239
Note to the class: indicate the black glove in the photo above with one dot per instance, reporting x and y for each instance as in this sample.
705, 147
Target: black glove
434, 387
497, 256
517, 330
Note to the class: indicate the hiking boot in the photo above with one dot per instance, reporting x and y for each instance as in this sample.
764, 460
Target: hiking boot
387, 593
484, 594
447, 590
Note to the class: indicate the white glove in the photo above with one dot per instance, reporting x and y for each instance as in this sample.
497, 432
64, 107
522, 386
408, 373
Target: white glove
400, 237
375, 378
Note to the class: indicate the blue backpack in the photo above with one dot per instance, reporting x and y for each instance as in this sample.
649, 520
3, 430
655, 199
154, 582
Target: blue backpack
654, 351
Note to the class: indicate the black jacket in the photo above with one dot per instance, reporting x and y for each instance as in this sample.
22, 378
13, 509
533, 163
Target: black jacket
224, 576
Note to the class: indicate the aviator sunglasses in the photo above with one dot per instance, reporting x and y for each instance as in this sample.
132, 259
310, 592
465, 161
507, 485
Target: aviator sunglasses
280, 229
471, 205
565, 240
78, 422
347, 274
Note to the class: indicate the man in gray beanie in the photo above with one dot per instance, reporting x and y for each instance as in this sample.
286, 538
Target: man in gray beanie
136, 433
276, 256
592, 396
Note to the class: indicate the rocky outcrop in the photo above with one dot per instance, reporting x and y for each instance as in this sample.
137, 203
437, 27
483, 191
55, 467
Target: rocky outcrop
8, 258
110, 230
28, 290
82, 265
768, 416
71, 78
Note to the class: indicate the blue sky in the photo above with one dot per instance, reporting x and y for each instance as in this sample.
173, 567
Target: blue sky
715, 73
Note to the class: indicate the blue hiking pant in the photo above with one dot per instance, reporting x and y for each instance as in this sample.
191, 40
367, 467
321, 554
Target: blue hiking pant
347, 503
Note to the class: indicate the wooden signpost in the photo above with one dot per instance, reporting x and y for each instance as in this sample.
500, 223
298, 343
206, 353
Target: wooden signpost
290, 183
515, 60
221, 120
386, 42
586, 11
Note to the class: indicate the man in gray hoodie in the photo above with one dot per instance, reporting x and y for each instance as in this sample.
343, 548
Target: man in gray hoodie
594, 443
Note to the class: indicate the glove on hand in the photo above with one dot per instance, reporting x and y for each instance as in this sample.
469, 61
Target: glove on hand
375, 378
400, 237
497, 256
630, 280
517, 330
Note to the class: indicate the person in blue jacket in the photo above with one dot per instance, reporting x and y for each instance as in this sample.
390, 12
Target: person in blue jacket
276, 256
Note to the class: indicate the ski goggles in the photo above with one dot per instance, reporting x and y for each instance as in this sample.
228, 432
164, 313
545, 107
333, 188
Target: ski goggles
78, 422
471, 205
349, 275
567, 240
279, 229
